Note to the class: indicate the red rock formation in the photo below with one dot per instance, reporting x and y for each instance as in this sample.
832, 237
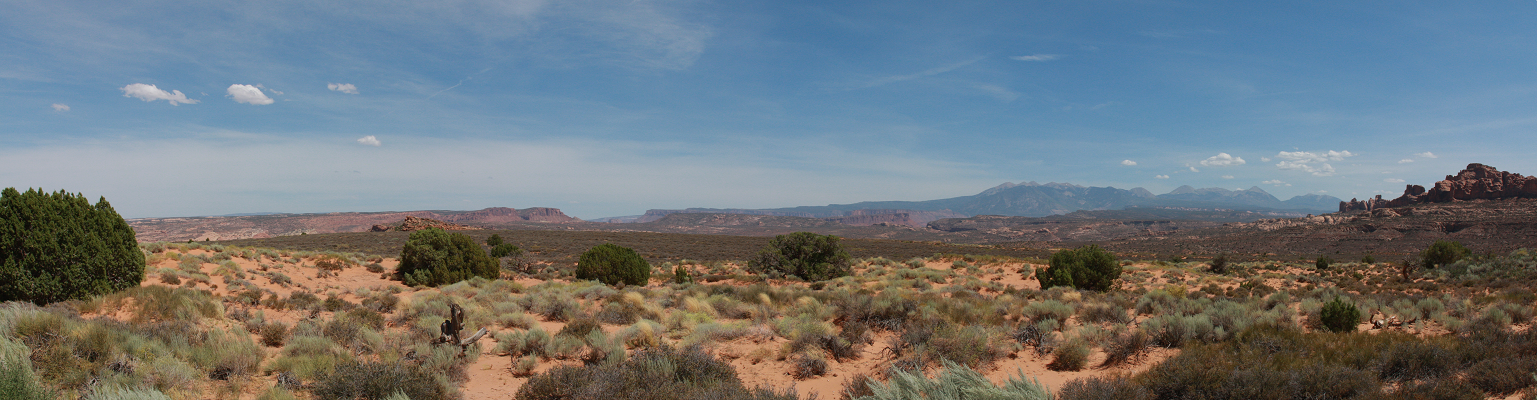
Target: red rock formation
1476, 182
412, 223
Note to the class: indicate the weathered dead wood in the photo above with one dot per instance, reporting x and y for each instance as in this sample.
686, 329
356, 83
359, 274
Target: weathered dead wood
453, 326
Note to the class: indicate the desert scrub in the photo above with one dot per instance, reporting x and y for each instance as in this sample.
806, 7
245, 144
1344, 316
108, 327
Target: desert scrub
653, 373
59, 247
1088, 267
378, 380
805, 255
433, 257
1049, 309
1339, 316
953, 382
613, 264
1069, 357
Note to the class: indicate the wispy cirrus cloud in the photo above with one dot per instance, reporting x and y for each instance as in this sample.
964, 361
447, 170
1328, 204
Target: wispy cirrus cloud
60, 107
1276, 182
150, 93
925, 73
1037, 57
1425, 155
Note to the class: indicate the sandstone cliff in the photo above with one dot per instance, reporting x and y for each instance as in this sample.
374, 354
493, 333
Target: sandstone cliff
1476, 182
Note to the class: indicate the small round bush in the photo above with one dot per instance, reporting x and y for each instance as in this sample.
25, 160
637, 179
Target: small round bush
1339, 316
433, 257
505, 250
1087, 268
612, 264
1219, 265
1322, 262
806, 255
494, 240
1443, 252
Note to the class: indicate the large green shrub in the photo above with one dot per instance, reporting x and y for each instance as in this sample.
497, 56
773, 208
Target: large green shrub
433, 257
58, 246
1089, 267
611, 264
807, 255
1339, 316
1443, 252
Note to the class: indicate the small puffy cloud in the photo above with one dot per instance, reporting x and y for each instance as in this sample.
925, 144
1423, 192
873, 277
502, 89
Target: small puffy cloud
60, 107
1128, 163
1161, 176
1316, 170
1227, 177
1311, 157
1276, 182
1037, 57
151, 93
369, 140
1311, 162
1264, 159
1406, 161
1222, 160
347, 88
1426, 155
1193, 169
1393, 180
248, 94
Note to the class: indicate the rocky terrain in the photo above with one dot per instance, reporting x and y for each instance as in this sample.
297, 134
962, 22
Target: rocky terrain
272, 225
1476, 182
414, 223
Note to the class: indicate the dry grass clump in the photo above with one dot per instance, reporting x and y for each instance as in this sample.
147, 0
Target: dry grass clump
653, 373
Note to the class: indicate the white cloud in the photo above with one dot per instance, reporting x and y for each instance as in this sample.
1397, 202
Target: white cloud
1426, 155
1193, 169
1311, 157
151, 93
1276, 182
1223, 160
1310, 162
926, 73
248, 94
1393, 180
1316, 170
1227, 177
1161, 176
347, 88
1128, 163
369, 140
1406, 161
1264, 159
1037, 57
60, 107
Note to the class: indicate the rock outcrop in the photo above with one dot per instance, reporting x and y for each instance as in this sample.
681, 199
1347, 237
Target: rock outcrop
1476, 182
412, 223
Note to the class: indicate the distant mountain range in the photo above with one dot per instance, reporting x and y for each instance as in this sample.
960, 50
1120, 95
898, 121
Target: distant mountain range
1031, 199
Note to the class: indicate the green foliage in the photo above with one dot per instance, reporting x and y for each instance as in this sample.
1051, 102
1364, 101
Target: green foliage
613, 264
1089, 268
680, 275
17, 381
1339, 316
505, 250
1368, 259
494, 240
954, 382
1069, 357
56, 247
1322, 262
433, 257
806, 255
1443, 252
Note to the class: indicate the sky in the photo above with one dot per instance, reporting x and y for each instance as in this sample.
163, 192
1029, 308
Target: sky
610, 108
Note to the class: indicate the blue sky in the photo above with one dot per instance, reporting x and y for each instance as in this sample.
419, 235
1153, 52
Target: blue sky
605, 108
